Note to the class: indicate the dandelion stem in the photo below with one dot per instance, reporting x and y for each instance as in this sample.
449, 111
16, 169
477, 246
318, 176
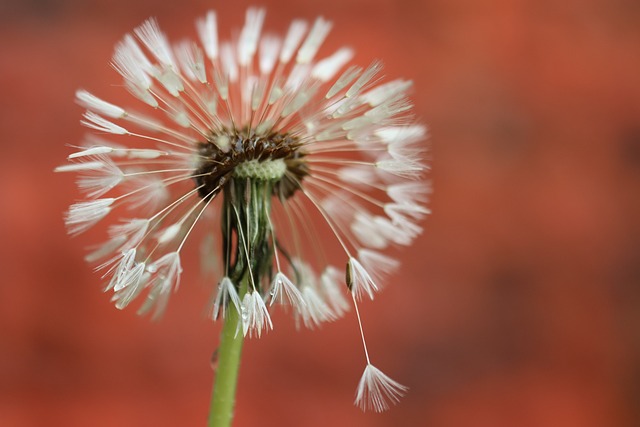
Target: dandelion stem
224, 389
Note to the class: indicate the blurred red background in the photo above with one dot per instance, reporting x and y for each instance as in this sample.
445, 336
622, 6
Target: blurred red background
519, 306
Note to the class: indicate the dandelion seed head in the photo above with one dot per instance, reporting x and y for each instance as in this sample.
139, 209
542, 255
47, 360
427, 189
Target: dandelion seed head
249, 140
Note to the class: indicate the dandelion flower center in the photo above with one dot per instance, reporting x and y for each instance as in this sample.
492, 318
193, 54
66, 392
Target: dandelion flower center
227, 154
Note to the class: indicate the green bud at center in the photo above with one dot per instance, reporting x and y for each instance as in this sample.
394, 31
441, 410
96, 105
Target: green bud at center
266, 170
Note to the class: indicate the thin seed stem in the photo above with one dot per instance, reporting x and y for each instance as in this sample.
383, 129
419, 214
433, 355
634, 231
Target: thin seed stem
364, 342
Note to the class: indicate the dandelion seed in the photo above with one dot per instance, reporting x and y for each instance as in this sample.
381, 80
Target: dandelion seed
94, 103
315, 310
164, 277
379, 265
284, 291
255, 135
376, 391
358, 279
255, 316
84, 215
226, 294
331, 280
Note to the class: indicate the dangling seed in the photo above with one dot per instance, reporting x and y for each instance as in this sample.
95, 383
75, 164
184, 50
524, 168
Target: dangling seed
349, 276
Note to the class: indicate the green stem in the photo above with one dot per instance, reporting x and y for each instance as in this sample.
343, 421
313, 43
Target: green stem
224, 390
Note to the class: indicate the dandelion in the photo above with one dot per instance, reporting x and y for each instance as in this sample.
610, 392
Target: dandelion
273, 144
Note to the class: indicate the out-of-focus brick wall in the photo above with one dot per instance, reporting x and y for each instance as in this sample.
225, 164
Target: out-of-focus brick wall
519, 306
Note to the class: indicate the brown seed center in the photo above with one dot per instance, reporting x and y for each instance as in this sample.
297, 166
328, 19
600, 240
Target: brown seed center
225, 150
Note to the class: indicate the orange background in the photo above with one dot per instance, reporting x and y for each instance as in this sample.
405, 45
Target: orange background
519, 306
